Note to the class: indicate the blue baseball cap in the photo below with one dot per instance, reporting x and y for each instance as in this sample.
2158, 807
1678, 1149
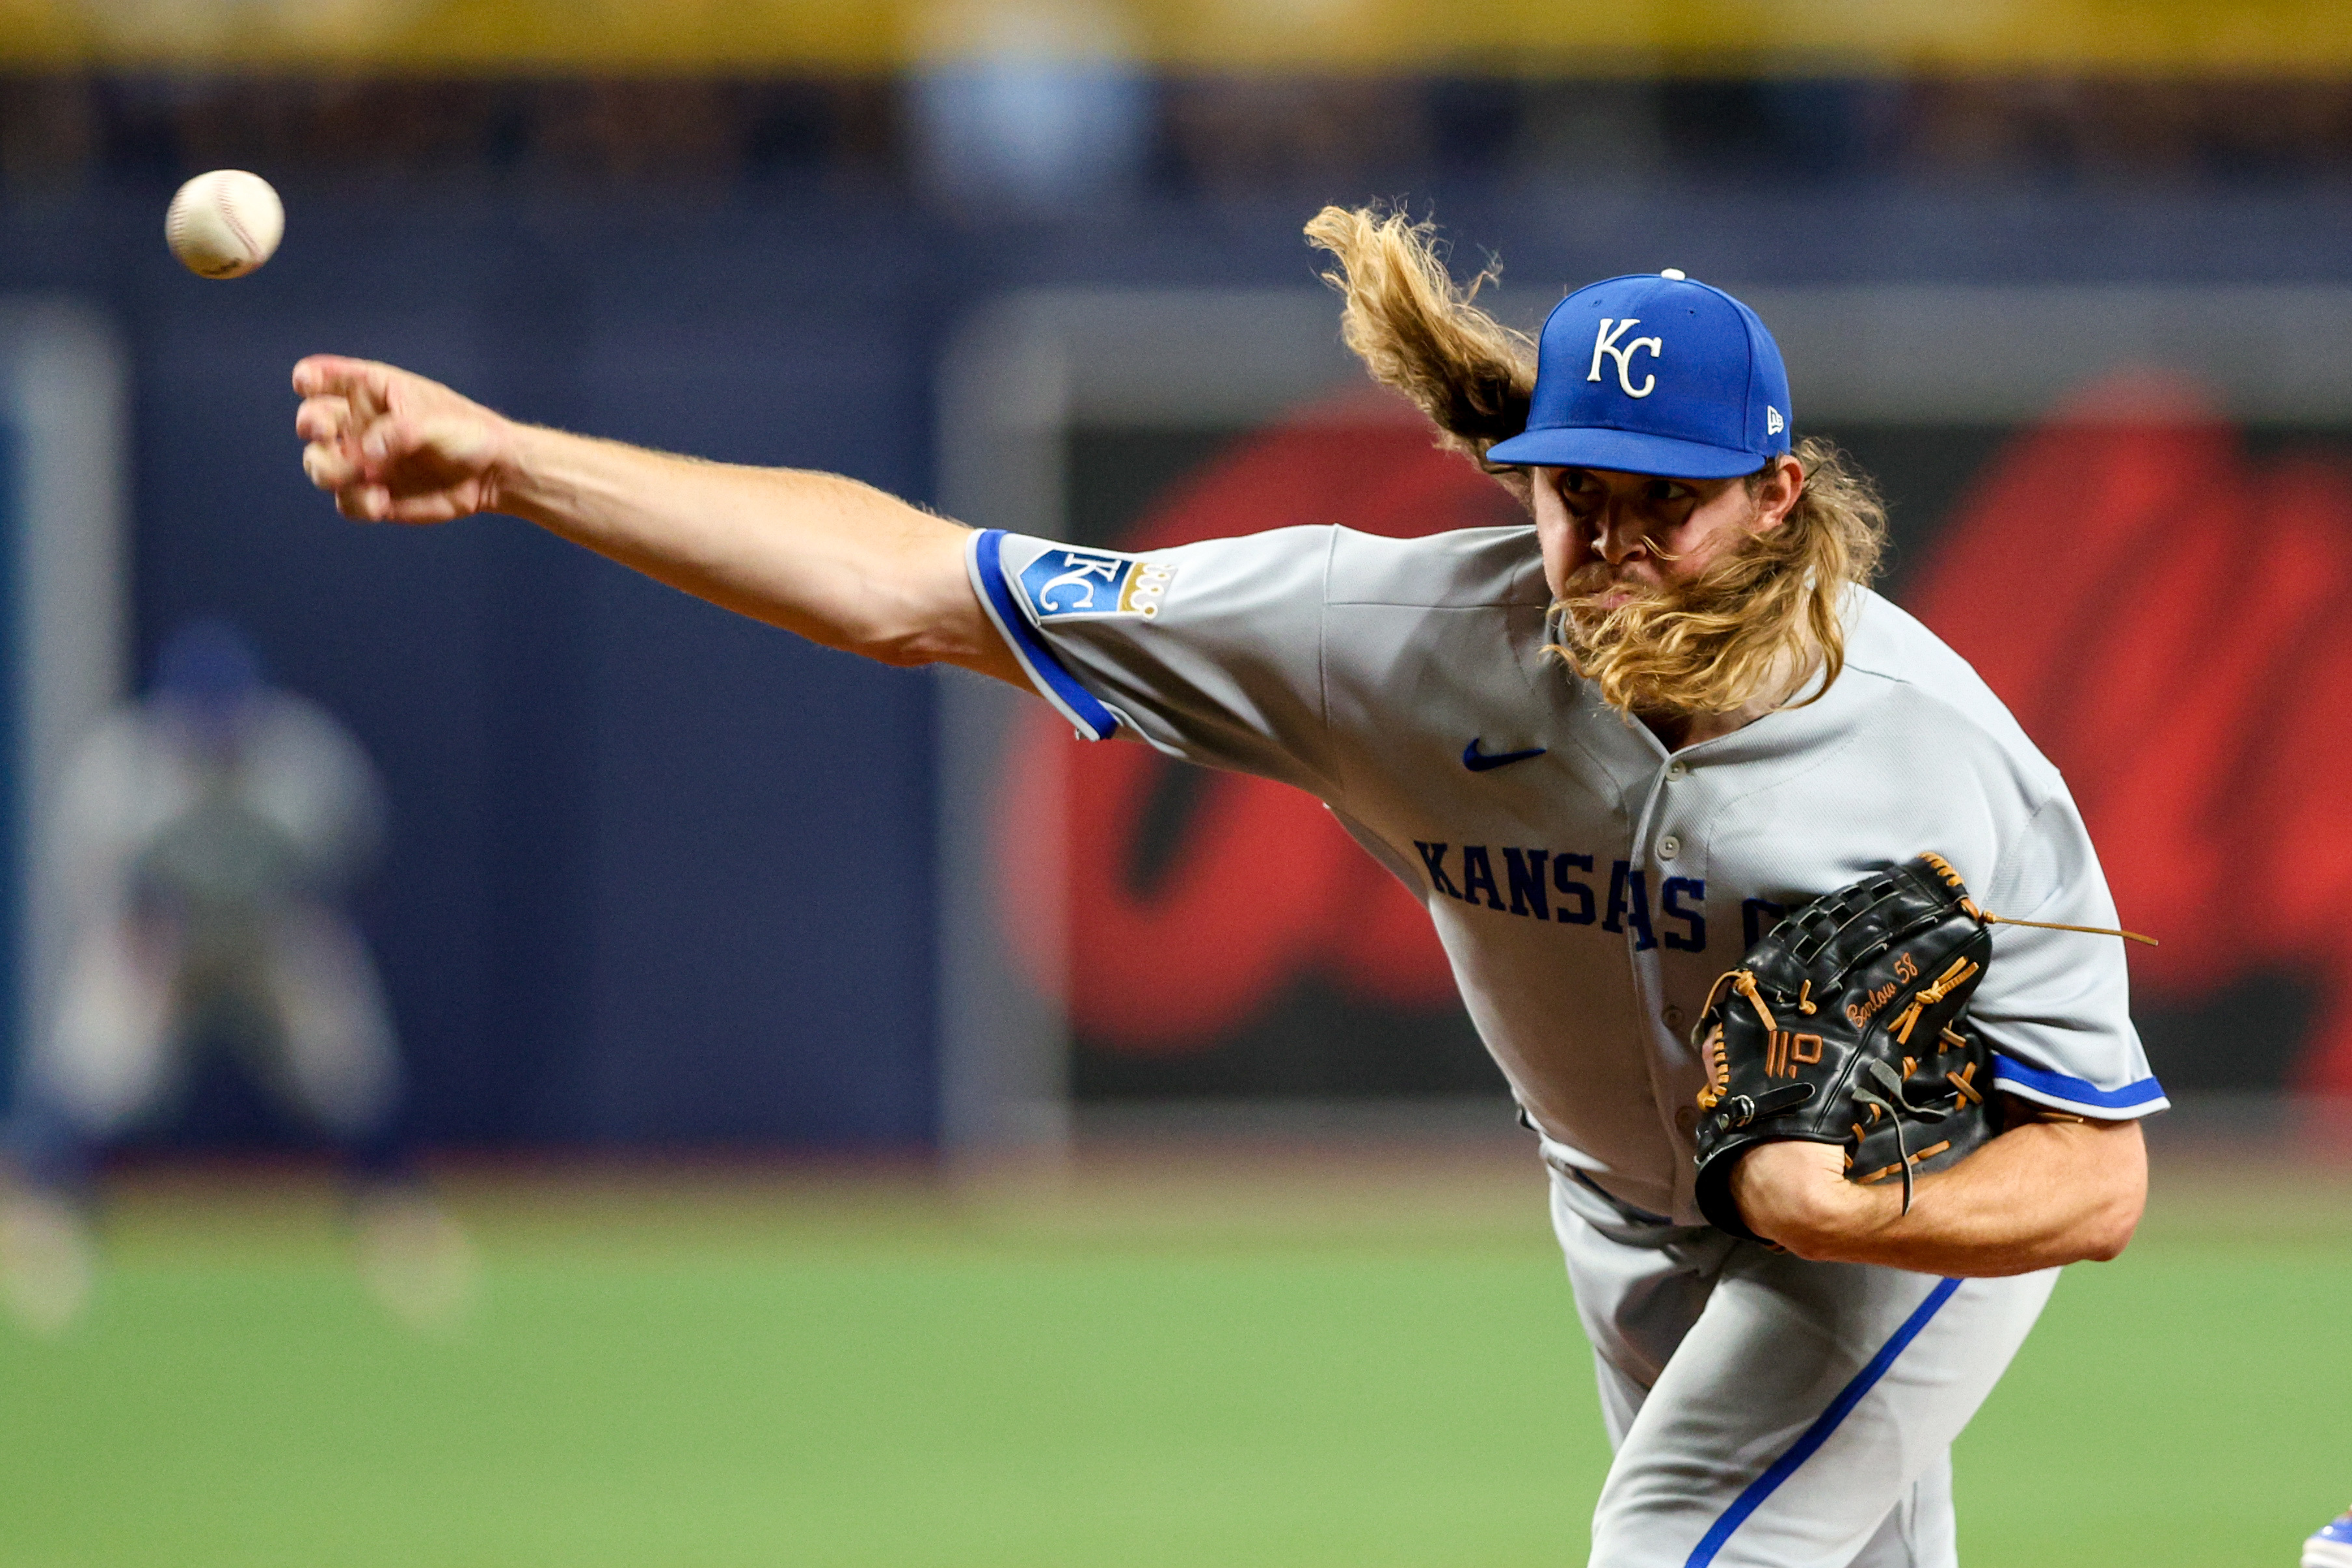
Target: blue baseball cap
1655, 375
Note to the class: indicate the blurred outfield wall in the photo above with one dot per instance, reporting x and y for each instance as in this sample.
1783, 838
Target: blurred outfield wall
661, 877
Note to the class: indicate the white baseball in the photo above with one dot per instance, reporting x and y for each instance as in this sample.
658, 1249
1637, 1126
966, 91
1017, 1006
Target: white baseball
224, 224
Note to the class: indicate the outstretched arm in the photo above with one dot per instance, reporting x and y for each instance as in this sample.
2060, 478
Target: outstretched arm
838, 562
2042, 1194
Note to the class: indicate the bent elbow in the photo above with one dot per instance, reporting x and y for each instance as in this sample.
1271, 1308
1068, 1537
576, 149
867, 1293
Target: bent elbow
2111, 1229
2106, 1244
2118, 1169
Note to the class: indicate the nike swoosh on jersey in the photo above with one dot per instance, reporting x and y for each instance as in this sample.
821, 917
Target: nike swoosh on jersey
1478, 762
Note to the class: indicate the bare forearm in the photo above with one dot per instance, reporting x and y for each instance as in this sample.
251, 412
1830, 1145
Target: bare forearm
836, 560
2039, 1195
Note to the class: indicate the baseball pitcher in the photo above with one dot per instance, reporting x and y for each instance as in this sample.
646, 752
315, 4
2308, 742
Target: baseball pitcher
1747, 880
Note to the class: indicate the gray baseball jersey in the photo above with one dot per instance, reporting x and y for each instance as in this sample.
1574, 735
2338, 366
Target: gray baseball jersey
1589, 886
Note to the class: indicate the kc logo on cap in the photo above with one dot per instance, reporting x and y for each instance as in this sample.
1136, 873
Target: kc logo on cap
1654, 373
1605, 342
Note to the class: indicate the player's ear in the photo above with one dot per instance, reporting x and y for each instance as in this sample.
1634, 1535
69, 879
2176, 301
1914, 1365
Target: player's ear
1775, 488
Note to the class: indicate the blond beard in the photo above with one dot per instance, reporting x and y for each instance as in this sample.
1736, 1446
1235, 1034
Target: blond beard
1708, 645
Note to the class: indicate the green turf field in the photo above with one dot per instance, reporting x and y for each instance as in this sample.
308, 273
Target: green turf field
1271, 1365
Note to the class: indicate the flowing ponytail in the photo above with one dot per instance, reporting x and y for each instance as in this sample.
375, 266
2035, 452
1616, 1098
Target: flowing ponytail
1423, 334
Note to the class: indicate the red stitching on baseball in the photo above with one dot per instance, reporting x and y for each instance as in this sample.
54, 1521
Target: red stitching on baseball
220, 202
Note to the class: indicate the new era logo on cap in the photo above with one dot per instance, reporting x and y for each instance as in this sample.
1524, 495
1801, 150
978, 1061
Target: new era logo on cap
1655, 375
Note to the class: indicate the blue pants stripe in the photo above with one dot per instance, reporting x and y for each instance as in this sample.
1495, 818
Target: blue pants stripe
1765, 1485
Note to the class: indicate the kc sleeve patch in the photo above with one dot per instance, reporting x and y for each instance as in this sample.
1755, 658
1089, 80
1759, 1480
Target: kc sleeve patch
1231, 675
1067, 584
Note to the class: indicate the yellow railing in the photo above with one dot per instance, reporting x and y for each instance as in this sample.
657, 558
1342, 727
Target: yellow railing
2212, 38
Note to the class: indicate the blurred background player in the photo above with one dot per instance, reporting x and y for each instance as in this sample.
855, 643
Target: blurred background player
209, 837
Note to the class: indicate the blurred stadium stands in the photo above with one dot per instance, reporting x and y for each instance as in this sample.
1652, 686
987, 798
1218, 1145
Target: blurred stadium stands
1203, 133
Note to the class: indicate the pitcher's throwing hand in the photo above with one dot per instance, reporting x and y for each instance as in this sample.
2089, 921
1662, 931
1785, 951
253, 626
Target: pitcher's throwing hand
392, 446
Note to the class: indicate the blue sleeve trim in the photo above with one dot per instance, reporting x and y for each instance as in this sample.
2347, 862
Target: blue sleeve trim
1045, 670
1765, 1485
2007, 1072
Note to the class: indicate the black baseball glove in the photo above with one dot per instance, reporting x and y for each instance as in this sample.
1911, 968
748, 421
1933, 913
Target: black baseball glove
1847, 1023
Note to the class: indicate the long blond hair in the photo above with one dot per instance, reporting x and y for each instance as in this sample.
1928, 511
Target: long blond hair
1419, 332
1764, 617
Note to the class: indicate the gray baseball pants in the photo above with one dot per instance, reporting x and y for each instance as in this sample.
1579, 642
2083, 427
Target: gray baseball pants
1771, 1413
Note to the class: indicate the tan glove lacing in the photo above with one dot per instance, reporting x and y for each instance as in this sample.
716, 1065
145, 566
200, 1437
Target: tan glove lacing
1986, 917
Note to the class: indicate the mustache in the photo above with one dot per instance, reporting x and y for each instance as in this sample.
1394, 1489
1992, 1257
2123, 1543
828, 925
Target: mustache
1597, 577
1582, 593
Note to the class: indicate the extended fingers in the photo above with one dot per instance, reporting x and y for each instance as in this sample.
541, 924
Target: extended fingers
389, 445
364, 386
321, 374
324, 417
330, 458
329, 466
364, 502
